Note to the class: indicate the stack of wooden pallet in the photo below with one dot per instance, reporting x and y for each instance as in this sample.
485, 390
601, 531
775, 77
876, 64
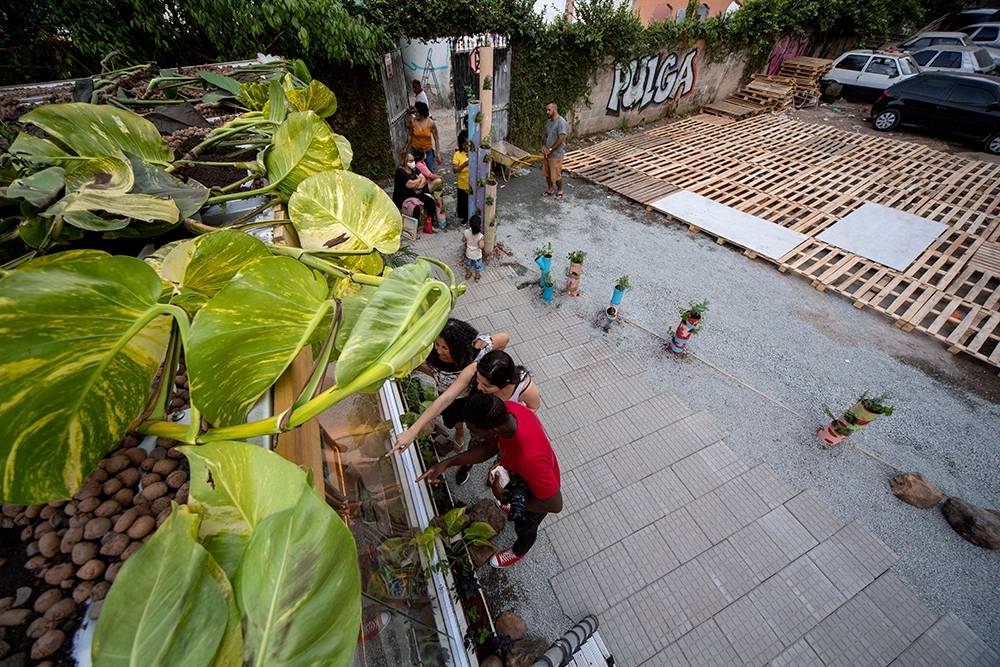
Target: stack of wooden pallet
758, 96
806, 72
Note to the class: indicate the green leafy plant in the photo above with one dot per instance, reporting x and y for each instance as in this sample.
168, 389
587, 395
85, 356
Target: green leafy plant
576, 256
877, 404
478, 534
547, 280
262, 571
425, 541
694, 310
623, 284
454, 521
489, 200
487, 83
544, 251
478, 117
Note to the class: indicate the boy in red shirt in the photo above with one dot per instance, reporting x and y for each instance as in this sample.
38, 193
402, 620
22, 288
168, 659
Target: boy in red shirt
513, 431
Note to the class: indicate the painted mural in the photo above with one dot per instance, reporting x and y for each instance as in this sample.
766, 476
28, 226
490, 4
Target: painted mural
652, 81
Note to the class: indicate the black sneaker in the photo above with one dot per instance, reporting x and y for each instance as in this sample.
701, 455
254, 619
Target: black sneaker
462, 476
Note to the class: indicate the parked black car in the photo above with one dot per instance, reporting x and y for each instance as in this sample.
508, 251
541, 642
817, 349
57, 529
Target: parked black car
966, 105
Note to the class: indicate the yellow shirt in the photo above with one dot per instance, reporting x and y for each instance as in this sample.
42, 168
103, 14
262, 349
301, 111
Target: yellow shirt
462, 174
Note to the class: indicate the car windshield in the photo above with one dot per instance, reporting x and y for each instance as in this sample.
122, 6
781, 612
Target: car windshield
949, 59
924, 57
883, 66
987, 33
983, 58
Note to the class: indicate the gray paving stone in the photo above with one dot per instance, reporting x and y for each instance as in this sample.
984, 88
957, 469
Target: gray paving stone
707, 646
799, 654
682, 534
765, 483
748, 633
616, 573
528, 352
656, 412
628, 465
668, 445
578, 356
728, 571
695, 591
807, 582
481, 323
553, 392
764, 557
569, 538
568, 417
870, 551
625, 636
601, 349
617, 395
636, 506
549, 366
660, 610
586, 379
903, 609
577, 591
840, 567
629, 364
619, 429
596, 478
578, 333
587, 443
790, 535
666, 491
713, 517
705, 426
575, 497
697, 474
651, 555
794, 600
814, 514
740, 499
671, 656
948, 643
856, 634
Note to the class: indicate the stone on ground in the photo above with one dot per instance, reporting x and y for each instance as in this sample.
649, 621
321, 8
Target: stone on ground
976, 524
526, 652
512, 625
915, 489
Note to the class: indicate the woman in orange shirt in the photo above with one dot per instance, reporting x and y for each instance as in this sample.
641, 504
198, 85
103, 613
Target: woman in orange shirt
423, 135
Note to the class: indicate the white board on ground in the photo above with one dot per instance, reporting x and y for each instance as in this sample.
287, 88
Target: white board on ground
885, 235
745, 230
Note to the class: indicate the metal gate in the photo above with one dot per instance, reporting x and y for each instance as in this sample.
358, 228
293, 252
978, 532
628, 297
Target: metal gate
464, 80
397, 100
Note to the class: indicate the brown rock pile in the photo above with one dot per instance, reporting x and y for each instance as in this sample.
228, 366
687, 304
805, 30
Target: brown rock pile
915, 489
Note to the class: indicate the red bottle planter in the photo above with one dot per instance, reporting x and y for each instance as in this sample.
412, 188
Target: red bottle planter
678, 345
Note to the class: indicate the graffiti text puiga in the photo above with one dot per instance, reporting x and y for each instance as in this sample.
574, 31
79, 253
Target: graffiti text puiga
651, 80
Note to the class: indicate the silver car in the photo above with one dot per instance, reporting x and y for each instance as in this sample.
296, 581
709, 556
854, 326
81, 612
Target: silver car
924, 39
954, 59
986, 35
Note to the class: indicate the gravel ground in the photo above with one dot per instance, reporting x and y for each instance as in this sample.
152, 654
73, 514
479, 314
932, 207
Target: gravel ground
804, 348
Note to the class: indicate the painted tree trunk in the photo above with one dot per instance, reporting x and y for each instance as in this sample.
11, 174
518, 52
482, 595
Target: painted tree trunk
852, 420
573, 281
476, 165
485, 126
678, 345
489, 218
544, 265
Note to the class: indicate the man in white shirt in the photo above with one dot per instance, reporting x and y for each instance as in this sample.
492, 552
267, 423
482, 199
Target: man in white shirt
419, 94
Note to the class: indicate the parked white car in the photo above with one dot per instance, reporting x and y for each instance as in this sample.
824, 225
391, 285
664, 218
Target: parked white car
986, 35
868, 73
924, 39
968, 59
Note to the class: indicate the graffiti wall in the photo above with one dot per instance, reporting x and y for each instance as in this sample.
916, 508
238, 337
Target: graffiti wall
647, 89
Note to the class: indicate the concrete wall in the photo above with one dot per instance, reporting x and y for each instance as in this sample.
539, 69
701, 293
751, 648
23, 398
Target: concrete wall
643, 90
430, 63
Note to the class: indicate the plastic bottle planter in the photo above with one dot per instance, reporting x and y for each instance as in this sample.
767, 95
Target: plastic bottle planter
547, 287
573, 281
544, 264
616, 296
688, 326
852, 420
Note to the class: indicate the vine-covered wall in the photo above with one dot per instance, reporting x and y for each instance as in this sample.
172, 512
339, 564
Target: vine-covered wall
361, 118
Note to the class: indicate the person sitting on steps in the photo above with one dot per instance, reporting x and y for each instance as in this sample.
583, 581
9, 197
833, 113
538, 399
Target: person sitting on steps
516, 433
495, 374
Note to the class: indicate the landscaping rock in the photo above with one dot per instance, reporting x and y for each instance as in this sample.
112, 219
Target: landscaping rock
976, 524
82, 591
526, 652
99, 591
480, 554
141, 527
47, 644
59, 573
70, 538
915, 489
92, 569
16, 660
155, 490
96, 528
21, 595
124, 497
487, 511
126, 520
83, 552
46, 600
492, 661
14, 617
6, 603
39, 627
116, 545
176, 478
130, 476
89, 504
132, 548
61, 610
511, 624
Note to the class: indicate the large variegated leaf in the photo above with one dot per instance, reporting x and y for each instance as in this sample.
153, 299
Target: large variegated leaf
92, 130
235, 486
298, 588
302, 146
135, 206
109, 171
188, 196
202, 266
247, 334
345, 150
73, 373
171, 604
390, 311
314, 97
335, 203
39, 189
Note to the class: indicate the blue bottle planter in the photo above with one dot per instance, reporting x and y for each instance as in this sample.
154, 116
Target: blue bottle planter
547, 294
544, 263
616, 297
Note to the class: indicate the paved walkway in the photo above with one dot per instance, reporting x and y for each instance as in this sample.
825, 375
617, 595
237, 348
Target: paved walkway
687, 554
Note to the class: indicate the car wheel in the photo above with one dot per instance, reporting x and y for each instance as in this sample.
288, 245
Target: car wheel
993, 144
886, 120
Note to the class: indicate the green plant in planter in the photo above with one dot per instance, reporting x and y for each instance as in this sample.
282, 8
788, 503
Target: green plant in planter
480, 182
487, 83
479, 117
623, 284
694, 310
544, 251
257, 569
547, 280
576, 256
877, 404
489, 200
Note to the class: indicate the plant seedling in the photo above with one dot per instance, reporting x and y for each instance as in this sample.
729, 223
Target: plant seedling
876, 404
576, 257
623, 284
544, 251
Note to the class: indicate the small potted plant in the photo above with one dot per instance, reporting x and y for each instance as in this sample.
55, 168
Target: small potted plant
621, 286
543, 258
690, 320
865, 410
487, 83
547, 287
575, 271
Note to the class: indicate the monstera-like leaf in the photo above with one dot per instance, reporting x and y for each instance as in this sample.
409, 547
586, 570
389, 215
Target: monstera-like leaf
92, 198
189, 196
248, 333
391, 310
235, 486
80, 342
200, 267
93, 130
39, 189
171, 605
335, 203
110, 171
302, 146
314, 97
298, 587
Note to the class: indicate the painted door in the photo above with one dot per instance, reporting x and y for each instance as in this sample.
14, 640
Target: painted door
464, 80
397, 101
